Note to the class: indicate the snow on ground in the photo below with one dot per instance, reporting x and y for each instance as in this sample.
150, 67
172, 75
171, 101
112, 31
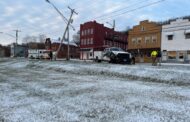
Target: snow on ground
44, 91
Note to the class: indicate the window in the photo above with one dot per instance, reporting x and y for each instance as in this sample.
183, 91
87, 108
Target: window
154, 39
89, 41
81, 42
85, 32
89, 31
142, 28
139, 40
170, 37
92, 41
84, 42
187, 35
134, 41
172, 55
181, 56
92, 31
147, 39
90, 53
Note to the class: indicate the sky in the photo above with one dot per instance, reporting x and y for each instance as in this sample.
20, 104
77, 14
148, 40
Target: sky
37, 17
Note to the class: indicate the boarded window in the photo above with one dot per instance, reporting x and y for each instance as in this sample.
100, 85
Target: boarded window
172, 55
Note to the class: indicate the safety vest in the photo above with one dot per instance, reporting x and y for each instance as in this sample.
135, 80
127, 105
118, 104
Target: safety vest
154, 54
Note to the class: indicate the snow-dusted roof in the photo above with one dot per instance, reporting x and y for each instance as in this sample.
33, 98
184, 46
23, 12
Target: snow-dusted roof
64, 42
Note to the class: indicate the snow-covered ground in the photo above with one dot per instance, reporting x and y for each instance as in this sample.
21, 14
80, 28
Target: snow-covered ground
44, 91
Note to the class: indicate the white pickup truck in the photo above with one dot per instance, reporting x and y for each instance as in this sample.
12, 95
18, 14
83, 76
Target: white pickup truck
38, 54
113, 55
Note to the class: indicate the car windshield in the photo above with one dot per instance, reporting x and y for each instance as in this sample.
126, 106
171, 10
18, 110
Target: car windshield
115, 49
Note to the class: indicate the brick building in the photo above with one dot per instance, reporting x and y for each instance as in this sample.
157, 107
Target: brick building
97, 37
74, 49
5, 51
143, 39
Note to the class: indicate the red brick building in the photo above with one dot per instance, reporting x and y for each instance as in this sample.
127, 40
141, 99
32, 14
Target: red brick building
74, 50
5, 51
97, 37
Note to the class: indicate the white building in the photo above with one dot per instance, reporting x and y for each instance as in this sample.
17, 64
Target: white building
175, 43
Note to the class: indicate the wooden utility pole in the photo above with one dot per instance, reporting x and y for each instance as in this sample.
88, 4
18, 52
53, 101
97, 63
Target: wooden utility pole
17, 31
67, 29
68, 45
15, 46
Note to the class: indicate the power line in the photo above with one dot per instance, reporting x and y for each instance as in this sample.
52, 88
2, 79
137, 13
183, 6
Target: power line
110, 16
135, 9
105, 18
124, 8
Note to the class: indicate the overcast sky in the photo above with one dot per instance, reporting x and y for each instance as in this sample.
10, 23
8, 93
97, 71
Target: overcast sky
34, 17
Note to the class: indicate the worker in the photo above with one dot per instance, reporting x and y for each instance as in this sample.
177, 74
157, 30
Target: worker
154, 57
159, 58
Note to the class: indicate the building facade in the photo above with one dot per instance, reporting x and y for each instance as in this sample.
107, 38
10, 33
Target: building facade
63, 53
143, 39
19, 50
97, 37
176, 41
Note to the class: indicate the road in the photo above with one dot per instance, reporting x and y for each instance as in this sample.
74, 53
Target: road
31, 92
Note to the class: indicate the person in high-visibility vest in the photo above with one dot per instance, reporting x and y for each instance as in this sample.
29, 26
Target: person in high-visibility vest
154, 57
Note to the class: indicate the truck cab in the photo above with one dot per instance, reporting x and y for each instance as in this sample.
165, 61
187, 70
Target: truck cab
118, 55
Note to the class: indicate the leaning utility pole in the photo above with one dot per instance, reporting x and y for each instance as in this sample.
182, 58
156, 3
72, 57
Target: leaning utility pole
67, 29
67, 26
68, 45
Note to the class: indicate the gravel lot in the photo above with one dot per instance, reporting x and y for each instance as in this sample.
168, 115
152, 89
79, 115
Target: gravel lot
60, 91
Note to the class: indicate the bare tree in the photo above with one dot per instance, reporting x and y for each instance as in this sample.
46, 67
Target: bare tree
28, 39
42, 38
76, 38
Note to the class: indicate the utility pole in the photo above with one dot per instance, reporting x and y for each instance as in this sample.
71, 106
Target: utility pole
114, 25
68, 45
17, 31
67, 26
15, 46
